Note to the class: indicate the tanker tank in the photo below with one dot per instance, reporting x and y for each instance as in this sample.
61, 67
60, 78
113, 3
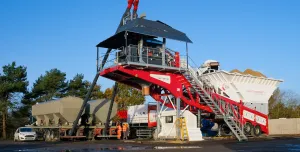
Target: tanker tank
57, 112
63, 111
98, 110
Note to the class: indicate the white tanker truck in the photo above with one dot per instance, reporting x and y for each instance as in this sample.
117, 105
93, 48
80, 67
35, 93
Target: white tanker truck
54, 119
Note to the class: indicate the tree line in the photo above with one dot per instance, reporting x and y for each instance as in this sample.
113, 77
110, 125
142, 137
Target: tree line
284, 104
16, 98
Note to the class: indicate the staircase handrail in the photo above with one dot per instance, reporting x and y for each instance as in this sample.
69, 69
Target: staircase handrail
208, 90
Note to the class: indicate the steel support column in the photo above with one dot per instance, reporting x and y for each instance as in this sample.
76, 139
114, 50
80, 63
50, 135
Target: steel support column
163, 52
199, 119
158, 108
140, 50
178, 115
187, 56
112, 101
97, 60
87, 97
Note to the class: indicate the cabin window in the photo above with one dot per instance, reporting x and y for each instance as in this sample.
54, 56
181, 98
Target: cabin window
169, 119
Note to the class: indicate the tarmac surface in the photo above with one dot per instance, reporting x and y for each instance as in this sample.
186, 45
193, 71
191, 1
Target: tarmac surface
253, 145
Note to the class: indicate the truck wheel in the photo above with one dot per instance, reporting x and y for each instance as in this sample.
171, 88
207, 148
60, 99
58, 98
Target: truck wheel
51, 135
224, 130
90, 135
56, 135
47, 135
257, 130
248, 128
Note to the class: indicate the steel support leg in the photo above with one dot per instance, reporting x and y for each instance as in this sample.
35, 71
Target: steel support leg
140, 50
115, 91
163, 51
86, 99
157, 119
178, 115
199, 119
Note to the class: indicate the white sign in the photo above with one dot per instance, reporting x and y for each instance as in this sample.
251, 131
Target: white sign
163, 78
261, 120
248, 115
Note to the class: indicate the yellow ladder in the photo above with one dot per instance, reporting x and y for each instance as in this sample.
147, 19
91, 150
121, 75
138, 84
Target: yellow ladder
183, 129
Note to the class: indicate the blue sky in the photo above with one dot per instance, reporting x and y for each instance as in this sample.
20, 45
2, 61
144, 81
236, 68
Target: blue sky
260, 34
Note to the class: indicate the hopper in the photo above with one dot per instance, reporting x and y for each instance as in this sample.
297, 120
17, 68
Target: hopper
62, 111
253, 91
98, 109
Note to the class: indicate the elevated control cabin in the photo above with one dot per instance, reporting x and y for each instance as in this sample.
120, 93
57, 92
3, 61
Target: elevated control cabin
136, 43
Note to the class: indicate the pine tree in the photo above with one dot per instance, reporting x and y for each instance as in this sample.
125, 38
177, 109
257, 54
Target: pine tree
12, 82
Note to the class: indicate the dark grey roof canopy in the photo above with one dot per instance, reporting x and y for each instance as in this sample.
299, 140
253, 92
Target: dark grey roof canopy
150, 28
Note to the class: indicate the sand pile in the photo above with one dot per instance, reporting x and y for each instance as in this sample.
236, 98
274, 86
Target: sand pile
249, 71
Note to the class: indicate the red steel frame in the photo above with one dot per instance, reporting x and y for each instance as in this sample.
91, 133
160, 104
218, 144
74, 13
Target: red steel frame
174, 88
177, 82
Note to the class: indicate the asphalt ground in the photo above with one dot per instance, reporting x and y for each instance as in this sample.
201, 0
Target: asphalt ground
279, 143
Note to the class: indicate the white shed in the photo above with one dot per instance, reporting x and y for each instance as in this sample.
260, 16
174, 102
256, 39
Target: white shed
168, 126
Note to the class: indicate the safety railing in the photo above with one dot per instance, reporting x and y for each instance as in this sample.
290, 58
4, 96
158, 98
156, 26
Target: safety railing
111, 58
147, 56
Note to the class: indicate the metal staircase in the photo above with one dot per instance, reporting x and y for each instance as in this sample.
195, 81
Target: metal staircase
204, 89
